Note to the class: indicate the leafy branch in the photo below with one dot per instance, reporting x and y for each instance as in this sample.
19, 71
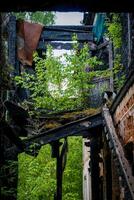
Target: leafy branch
114, 32
56, 86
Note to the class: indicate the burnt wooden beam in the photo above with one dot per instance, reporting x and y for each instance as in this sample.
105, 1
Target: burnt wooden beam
65, 6
78, 128
11, 134
65, 36
102, 45
19, 117
59, 167
11, 28
17, 113
60, 45
68, 28
94, 167
125, 170
61, 162
12, 51
56, 45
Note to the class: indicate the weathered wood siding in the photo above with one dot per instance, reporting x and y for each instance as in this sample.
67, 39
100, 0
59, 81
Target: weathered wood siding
100, 85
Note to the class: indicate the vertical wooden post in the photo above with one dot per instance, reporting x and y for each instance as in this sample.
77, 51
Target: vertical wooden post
12, 55
107, 184
115, 180
56, 153
95, 168
59, 178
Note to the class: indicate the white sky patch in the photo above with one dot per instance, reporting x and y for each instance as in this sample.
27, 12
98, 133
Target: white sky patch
68, 18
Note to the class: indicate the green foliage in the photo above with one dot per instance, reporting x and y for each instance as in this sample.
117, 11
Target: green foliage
119, 77
45, 18
72, 179
56, 86
79, 83
114, 30
37, 176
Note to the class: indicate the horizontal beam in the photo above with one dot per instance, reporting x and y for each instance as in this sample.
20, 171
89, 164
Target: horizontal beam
59, 45
68, 28
65, 6
77, 128
65, 36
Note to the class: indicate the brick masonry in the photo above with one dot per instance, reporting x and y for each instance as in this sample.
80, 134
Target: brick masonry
124, 117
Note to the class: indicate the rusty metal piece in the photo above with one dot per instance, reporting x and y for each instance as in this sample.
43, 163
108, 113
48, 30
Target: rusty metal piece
28, 36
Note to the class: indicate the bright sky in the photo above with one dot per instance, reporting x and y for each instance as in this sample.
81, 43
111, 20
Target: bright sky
67, 18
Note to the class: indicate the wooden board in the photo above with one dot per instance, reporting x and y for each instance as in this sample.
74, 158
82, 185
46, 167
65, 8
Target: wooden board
65, 36
60, 45
68, 28
78, 128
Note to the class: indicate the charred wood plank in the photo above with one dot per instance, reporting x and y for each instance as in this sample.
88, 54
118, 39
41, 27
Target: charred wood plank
10, 133
66, 6
117, 149
78, 128
12, 40
65, 36
63, 154
61, 162
60, 45
102, 45
56, 45
18, 114
94, 166
68, 28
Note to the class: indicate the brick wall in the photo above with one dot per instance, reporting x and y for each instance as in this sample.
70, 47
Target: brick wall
124, 117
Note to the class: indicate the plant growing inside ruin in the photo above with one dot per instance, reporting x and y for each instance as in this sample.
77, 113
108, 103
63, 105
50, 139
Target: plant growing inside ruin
114, 32
56, 86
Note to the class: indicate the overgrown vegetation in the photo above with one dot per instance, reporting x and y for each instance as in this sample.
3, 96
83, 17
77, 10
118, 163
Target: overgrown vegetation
114, 32
56, 86
37, 178
72, 180
45, 18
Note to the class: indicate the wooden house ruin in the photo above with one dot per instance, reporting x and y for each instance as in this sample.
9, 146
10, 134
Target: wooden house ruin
107, 131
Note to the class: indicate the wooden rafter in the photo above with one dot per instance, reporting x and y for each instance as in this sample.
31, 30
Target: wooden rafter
78, 128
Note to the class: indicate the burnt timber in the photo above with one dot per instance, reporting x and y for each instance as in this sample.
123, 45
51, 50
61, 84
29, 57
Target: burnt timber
61, 5
110, 135
78, 128
65, 34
